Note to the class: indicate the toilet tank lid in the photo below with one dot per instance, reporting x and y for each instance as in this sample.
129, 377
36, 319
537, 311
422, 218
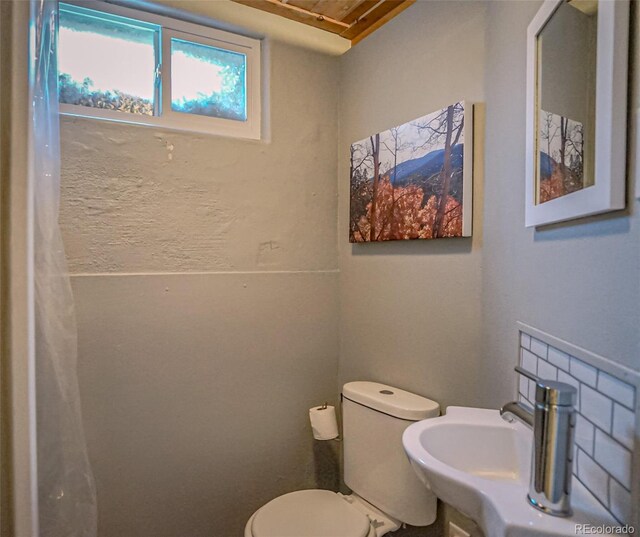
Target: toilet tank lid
393, 401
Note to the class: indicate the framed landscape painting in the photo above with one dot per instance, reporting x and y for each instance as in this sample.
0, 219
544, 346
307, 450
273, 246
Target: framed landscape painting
414, 181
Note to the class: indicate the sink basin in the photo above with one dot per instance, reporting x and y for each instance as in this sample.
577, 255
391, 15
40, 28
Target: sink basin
491, 451
479, 463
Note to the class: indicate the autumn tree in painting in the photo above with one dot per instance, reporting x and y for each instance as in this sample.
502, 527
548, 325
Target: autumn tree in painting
361, 192
407, 182
447, 125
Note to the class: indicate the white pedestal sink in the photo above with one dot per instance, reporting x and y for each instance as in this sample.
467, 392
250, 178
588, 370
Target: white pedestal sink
479, 463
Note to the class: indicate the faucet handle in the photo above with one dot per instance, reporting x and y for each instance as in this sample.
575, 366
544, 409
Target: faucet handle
526, 373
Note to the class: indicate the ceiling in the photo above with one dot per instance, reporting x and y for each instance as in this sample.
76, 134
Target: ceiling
349, 19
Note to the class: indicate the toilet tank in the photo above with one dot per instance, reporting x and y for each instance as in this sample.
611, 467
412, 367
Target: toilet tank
375, 466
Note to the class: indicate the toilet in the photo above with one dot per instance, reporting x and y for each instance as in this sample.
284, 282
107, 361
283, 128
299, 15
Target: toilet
386, 491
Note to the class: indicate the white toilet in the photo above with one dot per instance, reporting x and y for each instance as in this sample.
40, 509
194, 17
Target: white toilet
386, 491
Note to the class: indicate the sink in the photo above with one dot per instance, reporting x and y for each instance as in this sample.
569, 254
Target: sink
480, 464
491, 451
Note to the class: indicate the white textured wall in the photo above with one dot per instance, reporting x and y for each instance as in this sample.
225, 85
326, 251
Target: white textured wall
196, 384
196, 389
146, 200
410, 310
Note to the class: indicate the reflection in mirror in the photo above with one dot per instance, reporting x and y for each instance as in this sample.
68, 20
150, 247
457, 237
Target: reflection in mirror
566, 100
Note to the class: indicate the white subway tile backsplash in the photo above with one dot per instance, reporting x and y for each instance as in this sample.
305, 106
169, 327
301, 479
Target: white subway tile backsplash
539, 348
616, 389
623, 425
613, 457
547, 371
585, 432
583, 372
565, 377
558, 358
619, 501
596, 406
605, 420
529, 361
593, 476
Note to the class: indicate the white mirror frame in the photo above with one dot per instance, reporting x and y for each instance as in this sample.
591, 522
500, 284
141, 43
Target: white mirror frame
608, 192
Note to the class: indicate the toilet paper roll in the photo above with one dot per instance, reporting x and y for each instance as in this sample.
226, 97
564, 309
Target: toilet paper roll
323, 422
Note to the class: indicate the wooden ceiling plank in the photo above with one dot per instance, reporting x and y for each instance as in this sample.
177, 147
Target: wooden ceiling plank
370, 17
307, 13
309, 5
375, 19
359, 9
364, 17
336, 9
277, 8
333, 9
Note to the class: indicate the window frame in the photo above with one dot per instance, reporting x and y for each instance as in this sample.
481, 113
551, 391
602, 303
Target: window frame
170, 119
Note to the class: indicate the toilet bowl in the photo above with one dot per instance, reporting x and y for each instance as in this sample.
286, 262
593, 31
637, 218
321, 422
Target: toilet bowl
386, 491
318, 513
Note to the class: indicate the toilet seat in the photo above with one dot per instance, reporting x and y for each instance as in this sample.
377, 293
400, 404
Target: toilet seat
309, 513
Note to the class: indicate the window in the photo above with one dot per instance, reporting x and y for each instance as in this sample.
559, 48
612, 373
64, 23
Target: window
207, 81
125, 65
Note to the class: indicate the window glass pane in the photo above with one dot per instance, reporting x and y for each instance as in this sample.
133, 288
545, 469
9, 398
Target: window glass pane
208, 81
106, 61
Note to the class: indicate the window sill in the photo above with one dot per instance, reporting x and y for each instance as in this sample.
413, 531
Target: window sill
208, 126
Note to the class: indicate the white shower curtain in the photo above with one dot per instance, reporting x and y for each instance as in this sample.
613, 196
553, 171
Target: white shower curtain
66, 489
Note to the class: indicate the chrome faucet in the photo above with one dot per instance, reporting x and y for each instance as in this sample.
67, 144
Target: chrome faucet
553, 421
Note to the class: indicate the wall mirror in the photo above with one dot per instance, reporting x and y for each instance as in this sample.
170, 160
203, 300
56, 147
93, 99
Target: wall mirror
576, 109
